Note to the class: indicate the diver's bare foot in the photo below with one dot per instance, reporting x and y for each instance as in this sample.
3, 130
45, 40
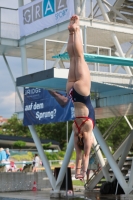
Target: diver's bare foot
74, 24
76, 17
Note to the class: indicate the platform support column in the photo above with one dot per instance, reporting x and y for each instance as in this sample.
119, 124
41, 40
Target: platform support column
82, 11
62, 51
24, 60
111, 160
130, 183
116, 155
80, 7
0, 25
42, 155
13, 80
33, 131
65, 163
20, 3
45, 54
129, 51
101, 160
125, 151
114, 37
85, 40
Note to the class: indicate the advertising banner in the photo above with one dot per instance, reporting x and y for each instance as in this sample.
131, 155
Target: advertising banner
41, 14
46, 106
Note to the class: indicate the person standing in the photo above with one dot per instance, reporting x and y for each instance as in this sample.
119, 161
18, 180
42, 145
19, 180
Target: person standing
7, 154
36, 163
2, 155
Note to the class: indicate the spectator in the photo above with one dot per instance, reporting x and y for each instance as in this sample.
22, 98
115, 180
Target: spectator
2, 155
13, 167
36, 163
7, 154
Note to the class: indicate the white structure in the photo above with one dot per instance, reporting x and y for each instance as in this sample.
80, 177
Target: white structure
102, 34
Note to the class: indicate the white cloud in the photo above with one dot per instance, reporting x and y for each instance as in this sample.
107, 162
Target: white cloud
7, 88
7, 104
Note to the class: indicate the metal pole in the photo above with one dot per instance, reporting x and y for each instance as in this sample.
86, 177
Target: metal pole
91, 9
43, 156
0, 25
111, 160
85, 40
44, 54
115, 40
24, 60
98, 67
116, 155
110, 69
33, 131
131, 177
67, 167
65, 161
20, 3
77, 7
129, 51
101, 160
125, 151
13, 80
82, 11
128, 123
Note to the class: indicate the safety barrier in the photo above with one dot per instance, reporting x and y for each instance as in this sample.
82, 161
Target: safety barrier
19, 181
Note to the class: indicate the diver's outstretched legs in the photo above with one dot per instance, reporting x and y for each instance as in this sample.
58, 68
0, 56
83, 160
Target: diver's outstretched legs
71, 76
82, 73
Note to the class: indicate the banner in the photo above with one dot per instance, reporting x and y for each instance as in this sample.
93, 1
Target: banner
41, 14
46, 106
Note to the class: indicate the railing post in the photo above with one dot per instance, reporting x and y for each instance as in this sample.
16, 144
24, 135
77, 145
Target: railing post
0, 25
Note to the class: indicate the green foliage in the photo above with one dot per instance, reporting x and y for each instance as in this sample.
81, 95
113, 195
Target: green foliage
46, 146
19, 144
73, 157
22, 157
61, 155
15, 127
56, 131
118, 134
78, 183
52, 156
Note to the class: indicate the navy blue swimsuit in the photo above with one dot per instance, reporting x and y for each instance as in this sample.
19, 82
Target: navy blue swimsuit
75, 97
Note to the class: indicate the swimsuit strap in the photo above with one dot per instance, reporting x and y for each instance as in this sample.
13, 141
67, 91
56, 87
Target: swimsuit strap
88, 118
83, 122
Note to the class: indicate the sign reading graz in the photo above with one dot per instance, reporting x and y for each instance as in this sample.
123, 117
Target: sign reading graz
44, 8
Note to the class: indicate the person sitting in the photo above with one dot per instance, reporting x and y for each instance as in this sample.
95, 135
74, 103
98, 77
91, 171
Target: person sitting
12, 167
78, 89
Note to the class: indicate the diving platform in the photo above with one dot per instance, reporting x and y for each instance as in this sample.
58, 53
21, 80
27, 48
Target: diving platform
111, 99
100, 59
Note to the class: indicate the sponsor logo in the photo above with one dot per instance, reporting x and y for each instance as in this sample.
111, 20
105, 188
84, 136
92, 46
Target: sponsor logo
35, 93
32, 13
43, 9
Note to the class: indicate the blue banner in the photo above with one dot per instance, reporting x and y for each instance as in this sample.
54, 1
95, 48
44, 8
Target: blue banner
46, 106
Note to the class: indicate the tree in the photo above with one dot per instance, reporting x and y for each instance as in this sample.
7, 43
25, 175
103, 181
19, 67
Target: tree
118, 134
19, 144
56, 131
47, 146
15, 127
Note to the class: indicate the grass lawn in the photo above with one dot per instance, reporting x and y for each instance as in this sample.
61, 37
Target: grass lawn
78, 183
